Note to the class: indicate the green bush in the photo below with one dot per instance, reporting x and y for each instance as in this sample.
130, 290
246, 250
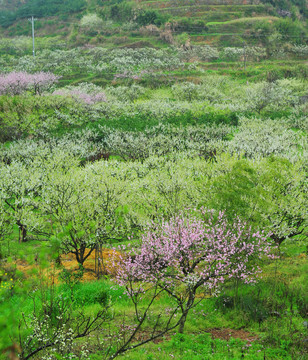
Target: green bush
147, 17
290, 30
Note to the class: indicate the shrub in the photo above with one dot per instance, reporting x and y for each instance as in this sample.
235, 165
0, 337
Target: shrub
127, 93
201, 53
186, 91
88, 93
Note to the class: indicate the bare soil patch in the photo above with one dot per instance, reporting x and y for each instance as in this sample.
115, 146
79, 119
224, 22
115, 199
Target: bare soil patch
226, 334
68, 262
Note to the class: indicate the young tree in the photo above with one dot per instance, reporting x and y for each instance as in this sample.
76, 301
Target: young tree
64, 201
91, 22
193, 252
186, 91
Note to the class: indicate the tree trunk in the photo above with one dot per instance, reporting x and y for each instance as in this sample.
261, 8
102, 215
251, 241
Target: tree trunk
23, 235
182, 322
185, 311
58, 260
80, 256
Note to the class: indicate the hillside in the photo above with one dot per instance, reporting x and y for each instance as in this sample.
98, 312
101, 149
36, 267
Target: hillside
153, 180
157, 23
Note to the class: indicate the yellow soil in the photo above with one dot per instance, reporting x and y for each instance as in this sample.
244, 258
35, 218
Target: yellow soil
69, 262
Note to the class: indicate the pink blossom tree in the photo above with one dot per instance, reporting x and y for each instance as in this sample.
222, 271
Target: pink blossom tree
42, 82
78, 95
14, 83
190, 254
17, 83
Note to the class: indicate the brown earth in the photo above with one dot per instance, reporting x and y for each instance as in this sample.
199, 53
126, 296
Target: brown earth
226, 334
223, 334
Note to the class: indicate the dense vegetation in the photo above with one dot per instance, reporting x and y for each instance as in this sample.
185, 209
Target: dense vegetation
42, 9
154, 199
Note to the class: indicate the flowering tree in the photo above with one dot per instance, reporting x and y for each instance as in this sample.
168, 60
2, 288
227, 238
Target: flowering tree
126, 93
42, 81
16, 83
187, 253
87, 93
70, 211
88, 99
265, 94
91, 22
83, 207
186, 91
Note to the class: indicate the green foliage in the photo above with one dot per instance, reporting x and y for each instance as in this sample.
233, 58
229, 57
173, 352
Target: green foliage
6, 229
42, 9
290, 29
197, 346
147, 17
267, 194
122, 12
25, 115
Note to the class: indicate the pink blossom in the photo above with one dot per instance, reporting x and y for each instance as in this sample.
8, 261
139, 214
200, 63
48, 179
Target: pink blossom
195, 250
16, 83
88, 99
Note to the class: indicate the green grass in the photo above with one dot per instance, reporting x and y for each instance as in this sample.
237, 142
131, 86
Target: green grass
272, 311
202, 346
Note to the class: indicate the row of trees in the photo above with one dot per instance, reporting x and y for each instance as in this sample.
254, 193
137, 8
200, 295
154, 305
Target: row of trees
106, 201
102, 61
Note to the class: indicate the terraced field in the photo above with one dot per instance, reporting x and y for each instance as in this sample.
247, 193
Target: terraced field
206, 21
209, 9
